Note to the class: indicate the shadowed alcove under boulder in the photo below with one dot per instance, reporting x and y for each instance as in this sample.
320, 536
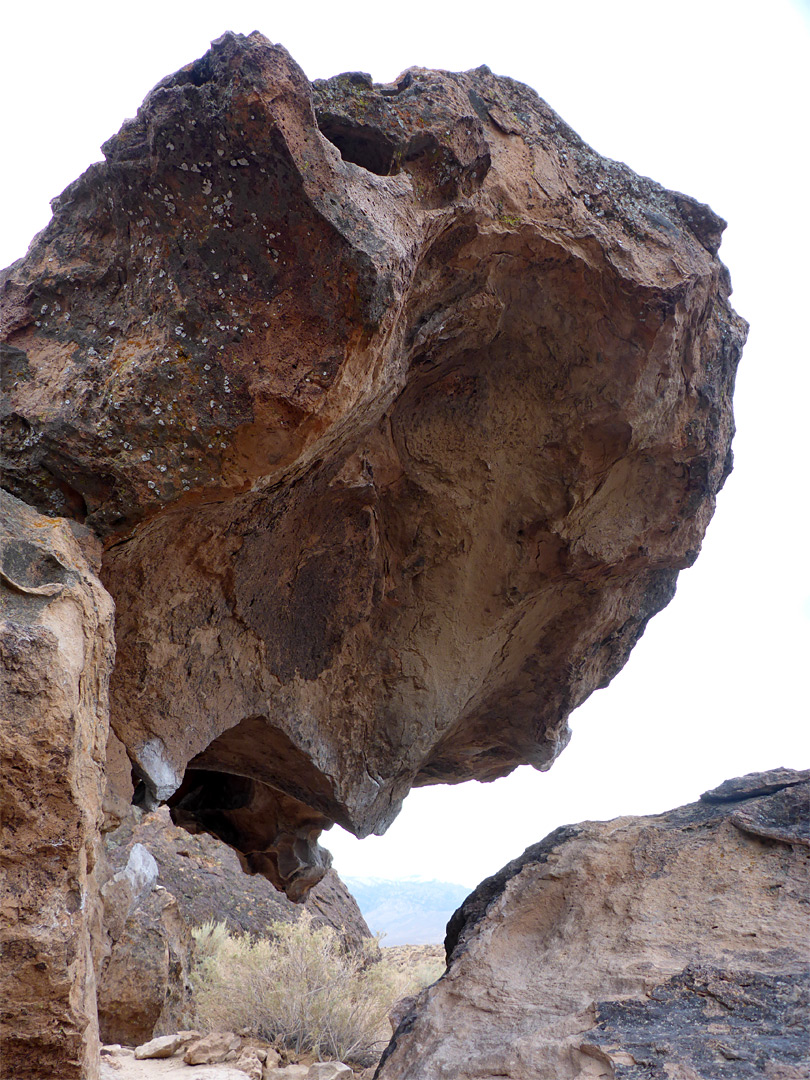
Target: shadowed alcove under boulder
243, 789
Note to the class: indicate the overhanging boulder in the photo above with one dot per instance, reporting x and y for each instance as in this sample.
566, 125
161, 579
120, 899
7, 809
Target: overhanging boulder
398, 410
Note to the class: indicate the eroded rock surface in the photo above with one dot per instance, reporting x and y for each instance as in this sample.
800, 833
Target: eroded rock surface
145, 954
398, 409
56, 654
205, 878
658, 947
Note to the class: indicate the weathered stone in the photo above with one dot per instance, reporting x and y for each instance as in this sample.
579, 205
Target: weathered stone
272, 1059
127, 888
328, 1070
205, 877
56, 653
250, 1063
402, 1008
398, 409
755, 784
143, 987
212, 1049
166, 1045
119, 789
641, 948
781, 816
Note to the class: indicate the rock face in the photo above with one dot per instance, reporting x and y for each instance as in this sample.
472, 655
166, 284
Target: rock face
207, 881
56, 653
398, 410
158, 883
663, 947
145, 958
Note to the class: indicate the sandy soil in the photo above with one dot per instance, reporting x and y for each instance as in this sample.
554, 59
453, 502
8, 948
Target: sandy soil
121, 1064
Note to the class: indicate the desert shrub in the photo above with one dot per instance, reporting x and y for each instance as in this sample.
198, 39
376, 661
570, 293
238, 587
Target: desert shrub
209, 940
299, 988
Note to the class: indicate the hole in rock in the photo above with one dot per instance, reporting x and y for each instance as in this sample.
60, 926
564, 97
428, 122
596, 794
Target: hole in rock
253, 789
140, 791
360, 144
272, 834
201, 71
74, 501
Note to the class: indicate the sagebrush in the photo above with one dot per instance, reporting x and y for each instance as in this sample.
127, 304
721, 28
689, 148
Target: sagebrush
300, 988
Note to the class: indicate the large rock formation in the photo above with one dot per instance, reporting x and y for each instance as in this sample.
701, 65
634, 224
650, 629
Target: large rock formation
398, 410
56, 654
663, 947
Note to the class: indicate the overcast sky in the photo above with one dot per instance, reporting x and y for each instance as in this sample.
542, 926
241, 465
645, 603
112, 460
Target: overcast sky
706, 96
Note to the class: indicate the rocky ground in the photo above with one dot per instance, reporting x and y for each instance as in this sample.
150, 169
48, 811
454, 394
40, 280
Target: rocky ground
127, 1063
119, 1063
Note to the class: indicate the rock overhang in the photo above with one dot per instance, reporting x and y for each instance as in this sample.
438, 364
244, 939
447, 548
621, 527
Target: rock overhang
398, 409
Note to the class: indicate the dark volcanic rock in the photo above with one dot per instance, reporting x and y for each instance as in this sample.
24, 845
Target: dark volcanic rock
398, 410
721, 1024
755, 784
781, 816
205, 877
663, 947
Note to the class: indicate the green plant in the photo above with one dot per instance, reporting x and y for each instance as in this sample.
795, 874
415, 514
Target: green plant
300, 988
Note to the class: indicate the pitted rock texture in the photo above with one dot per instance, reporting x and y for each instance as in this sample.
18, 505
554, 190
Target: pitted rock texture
56, 654
398, 409
662, 947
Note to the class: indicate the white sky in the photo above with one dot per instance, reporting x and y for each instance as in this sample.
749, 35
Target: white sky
706, 96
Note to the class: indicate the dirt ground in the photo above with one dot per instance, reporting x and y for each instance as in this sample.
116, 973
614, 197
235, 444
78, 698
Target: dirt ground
121, 1064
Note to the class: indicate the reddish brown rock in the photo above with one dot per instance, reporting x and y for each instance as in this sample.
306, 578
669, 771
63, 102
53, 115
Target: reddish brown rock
56, 653
398, 409
661, 947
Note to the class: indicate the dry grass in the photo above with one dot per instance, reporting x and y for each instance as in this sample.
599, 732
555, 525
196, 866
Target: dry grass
300, 989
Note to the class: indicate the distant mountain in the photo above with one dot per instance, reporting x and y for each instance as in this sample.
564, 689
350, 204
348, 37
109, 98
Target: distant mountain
407, 912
